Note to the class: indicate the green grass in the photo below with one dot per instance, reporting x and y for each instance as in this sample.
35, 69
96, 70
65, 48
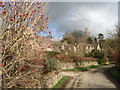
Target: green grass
82, 68
115, 72
61, 82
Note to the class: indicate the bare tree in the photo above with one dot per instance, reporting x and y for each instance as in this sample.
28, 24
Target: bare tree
22, 55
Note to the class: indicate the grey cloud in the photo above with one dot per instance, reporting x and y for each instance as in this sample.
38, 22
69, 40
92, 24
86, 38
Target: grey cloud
98, 17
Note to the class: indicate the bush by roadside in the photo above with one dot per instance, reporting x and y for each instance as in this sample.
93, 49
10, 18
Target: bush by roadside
115, 72
97, 54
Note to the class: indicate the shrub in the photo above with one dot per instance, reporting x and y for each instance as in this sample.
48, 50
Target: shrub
89, 40
50, 65
76, 58
100, 60
63, 58
115, 72
96, 54
52, 53
99, 55
115, 58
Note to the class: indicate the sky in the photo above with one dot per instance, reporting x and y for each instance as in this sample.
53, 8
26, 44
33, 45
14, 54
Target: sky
98, 17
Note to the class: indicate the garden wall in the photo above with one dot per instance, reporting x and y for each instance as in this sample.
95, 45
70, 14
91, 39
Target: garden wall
70, 65
51, 79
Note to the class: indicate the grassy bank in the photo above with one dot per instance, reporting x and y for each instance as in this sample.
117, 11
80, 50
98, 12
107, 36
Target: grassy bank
82, 68
115, 72
61, 82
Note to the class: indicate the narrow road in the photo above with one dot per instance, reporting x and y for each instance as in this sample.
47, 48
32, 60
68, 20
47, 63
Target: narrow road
93, 78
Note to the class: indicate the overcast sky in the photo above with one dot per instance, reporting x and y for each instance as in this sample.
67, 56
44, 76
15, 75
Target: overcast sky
98, 17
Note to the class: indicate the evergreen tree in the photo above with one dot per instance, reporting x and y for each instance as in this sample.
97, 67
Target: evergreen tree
101, 37
89, 40
95, 40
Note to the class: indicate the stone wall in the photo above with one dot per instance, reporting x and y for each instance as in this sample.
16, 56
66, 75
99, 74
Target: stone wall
71, 65
51, 79
88, 63
63, 65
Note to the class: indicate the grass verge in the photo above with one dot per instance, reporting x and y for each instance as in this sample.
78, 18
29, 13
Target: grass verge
61, 82
82, 68
115, 72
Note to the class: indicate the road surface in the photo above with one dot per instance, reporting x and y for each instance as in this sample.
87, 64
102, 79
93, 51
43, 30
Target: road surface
93, 78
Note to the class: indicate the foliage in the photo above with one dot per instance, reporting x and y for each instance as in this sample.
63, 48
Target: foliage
63, 58
100, 60
89, 40
50, 65
96, 54
76, 58
52, 53
95, 39
112, 41
115, 58
111, 46
100, 37
114, 72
